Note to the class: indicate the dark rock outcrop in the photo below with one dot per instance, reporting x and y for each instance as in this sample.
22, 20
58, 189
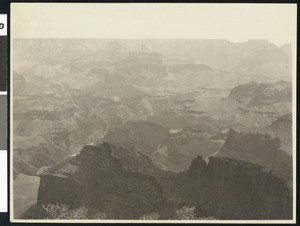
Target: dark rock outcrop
110, 178
123, 183
258, 148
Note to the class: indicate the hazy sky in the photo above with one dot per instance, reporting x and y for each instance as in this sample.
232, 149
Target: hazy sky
234, 22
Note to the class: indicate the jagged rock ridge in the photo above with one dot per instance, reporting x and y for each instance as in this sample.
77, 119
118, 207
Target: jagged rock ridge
124, 184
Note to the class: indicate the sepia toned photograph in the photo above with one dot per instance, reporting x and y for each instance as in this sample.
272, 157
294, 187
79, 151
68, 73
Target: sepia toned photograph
153, 113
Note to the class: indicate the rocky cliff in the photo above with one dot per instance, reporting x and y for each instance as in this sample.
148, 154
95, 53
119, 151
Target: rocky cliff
258, 148
104, 179
283, 129
260, 104
123, 183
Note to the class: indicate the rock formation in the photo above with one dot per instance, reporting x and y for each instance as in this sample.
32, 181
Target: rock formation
123, 183
283, 129
258, 148
263, 93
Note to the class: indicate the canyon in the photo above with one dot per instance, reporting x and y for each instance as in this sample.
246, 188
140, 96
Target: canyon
136, 127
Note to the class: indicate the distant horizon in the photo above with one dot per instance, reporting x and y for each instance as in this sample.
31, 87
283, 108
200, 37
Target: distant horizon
236, 23
200, 39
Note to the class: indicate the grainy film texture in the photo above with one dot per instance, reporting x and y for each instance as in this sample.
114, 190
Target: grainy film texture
152, 129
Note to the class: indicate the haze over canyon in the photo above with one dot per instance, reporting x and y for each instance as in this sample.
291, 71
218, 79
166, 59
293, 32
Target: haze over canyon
152, 129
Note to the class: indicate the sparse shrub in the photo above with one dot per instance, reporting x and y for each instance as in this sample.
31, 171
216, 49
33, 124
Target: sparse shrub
150, 216
56, 211
63, 211
100, 215
188, 213
80, 213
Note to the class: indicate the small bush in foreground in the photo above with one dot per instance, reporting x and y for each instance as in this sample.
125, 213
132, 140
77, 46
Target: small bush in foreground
150, 216
188, 213
100, 215
63, 211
